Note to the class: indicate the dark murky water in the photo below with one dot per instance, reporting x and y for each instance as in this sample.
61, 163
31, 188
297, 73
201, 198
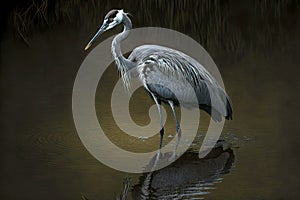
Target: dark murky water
255, 46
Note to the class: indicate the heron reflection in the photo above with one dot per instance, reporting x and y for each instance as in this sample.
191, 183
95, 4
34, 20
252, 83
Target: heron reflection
187, 178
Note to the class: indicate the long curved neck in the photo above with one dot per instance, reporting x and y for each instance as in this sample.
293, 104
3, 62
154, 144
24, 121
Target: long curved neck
123, 64
121, 61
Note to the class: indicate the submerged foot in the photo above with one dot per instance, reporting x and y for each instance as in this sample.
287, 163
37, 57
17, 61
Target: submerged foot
173, 157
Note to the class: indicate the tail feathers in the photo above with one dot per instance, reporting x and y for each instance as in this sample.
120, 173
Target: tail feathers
228, 109
215, 115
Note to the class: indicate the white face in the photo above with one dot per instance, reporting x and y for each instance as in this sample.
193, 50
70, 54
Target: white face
112, 22
112, 19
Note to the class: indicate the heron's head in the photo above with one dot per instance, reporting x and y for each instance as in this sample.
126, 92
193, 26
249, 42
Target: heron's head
111, 19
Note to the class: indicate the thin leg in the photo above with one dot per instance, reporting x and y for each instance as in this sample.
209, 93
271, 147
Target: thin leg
178, 129
161, 121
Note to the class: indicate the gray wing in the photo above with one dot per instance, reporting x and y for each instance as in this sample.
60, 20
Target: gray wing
160, 66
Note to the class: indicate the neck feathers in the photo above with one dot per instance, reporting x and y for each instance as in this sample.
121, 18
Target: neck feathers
122, 63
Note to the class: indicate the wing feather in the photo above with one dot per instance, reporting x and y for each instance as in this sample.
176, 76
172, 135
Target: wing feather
173, 63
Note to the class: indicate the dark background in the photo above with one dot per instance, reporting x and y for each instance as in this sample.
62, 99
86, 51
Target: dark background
255, 44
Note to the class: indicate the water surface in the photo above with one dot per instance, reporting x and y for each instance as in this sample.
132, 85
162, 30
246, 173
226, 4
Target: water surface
255, 46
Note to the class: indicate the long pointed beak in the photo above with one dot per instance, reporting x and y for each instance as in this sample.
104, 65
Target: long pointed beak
101, 30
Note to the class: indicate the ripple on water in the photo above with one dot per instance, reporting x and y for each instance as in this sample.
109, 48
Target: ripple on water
53, 145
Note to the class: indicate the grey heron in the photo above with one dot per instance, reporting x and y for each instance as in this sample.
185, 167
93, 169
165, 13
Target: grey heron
157, 65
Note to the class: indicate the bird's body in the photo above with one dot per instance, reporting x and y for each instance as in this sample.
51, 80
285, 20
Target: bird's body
161, 69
